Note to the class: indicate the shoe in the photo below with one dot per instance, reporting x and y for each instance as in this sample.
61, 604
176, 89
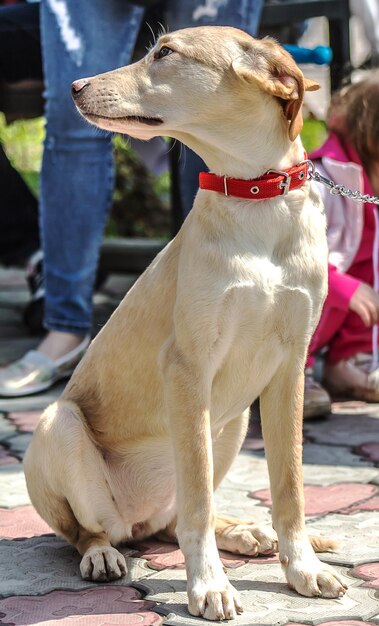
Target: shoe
34, 275
353, 378
317, 402
35, 372
34, 310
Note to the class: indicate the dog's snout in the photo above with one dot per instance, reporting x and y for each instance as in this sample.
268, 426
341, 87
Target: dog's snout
78, 86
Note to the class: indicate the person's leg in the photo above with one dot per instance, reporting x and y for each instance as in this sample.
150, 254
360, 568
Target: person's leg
350, 370
78, 40
331, 322
317, 401
244, 14
352, 337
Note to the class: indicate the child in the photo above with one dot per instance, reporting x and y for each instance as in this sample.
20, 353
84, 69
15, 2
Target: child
350, 156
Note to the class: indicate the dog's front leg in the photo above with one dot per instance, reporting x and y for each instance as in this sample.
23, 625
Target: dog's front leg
188, 395
282, 411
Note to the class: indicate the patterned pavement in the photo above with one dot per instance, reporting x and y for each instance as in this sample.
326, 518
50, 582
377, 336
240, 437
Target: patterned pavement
39, 573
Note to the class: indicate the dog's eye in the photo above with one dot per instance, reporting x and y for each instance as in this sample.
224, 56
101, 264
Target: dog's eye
163, 52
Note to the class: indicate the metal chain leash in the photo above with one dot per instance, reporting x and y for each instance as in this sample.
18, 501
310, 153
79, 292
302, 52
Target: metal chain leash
339, 190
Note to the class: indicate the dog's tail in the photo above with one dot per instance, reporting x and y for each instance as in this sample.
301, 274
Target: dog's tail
323, 544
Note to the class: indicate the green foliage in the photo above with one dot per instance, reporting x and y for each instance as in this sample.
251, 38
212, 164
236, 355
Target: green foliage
23, 143
140, 202
313, 134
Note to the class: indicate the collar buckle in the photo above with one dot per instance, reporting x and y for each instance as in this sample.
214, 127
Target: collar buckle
284, 184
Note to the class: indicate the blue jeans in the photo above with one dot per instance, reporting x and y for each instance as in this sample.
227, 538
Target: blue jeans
82, 39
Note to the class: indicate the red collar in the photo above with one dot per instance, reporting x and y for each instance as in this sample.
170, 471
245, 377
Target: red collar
273, 183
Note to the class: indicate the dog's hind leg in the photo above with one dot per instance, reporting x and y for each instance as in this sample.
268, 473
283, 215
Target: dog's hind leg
232, 534
66, 479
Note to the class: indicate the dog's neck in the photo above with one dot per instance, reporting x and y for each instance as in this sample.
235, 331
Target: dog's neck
243, 153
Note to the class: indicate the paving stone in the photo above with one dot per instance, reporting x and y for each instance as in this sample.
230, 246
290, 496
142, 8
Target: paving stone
320, 500
40, 565
321, 465
372, 504
6, 458
36, 402
344, 430
13, 490
337, 623
248, 471
10, 329
7, 429
266, 598
370, 451
357, 536
103, 606
22, 522
25, 421
8, 318
236, 503
333, 456
13, 277
18, 443
338, 472
368, 572
13, 298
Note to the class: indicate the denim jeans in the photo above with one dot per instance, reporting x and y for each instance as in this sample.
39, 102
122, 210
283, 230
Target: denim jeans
78, 39
82, 39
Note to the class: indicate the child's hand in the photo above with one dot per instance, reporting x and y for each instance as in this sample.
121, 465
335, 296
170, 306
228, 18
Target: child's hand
365, 303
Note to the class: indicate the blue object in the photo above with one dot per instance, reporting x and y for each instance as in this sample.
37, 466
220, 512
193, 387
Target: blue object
321, 55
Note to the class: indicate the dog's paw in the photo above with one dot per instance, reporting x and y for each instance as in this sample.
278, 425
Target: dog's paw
214, 600
102, 564
248, 539
319, 579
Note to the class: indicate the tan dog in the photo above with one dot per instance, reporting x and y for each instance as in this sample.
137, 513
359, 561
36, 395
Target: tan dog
158, 408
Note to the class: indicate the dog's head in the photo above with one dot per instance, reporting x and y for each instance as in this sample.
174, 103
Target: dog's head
194, 81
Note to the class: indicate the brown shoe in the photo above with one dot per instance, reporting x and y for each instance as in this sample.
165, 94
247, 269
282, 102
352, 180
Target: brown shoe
316, 399
353, 378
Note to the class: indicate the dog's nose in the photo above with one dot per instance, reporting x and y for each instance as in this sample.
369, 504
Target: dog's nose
78, 86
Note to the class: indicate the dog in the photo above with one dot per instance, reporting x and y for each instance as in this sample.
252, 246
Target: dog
158, 408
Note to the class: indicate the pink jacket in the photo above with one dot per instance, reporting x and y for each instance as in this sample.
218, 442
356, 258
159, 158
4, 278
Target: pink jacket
345, 217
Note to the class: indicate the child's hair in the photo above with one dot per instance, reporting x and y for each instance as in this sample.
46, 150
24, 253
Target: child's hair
354, 115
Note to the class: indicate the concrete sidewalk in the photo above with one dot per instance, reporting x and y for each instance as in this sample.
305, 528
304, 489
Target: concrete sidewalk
39, 573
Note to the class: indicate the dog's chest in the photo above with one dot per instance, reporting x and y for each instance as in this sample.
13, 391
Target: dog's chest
267, 296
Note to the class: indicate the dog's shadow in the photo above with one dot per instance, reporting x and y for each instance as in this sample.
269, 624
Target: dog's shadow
44, 584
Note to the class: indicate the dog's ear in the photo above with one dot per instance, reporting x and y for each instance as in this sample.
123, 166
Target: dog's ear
274, 69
